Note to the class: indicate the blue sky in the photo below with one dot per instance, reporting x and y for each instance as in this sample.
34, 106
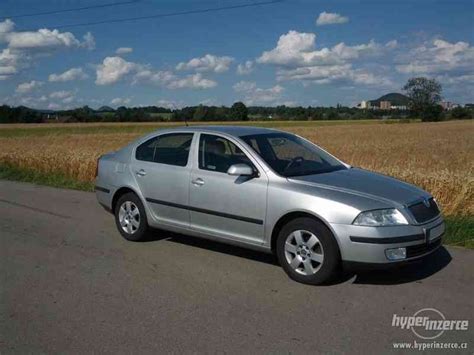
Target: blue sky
295, 52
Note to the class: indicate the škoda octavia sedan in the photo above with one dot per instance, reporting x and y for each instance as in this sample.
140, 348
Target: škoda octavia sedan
267, 190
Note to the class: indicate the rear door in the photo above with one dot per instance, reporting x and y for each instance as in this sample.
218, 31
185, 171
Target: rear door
162, 168
228, 206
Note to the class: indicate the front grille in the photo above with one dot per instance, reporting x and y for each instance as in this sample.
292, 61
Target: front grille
420, 249
422, 213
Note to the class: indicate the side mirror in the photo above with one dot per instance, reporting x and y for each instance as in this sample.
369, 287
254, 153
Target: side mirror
240, 170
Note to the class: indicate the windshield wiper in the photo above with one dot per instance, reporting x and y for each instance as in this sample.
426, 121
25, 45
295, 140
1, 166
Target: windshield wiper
306, 172
316, 172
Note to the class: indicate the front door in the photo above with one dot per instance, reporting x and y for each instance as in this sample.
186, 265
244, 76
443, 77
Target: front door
162, 169
223, 205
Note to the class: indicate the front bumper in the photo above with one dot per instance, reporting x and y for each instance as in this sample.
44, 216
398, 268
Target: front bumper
369, 244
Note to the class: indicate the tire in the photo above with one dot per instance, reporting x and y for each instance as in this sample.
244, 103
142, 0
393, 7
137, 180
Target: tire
131, 222
308, 260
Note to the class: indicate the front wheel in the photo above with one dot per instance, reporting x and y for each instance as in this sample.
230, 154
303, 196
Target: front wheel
307, 251
130, 217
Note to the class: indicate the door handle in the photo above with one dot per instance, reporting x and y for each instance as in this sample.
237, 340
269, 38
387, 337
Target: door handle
198, 182
141, 172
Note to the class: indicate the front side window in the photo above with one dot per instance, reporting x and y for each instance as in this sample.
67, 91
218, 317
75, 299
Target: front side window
218, 154
288, 155
170, 149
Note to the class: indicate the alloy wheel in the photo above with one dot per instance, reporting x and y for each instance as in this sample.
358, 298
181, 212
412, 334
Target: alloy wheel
304, 252
129, 217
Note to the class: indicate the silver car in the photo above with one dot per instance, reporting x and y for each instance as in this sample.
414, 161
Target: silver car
267, 190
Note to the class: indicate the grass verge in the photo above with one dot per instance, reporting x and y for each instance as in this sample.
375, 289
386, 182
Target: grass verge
8, 172
459, 229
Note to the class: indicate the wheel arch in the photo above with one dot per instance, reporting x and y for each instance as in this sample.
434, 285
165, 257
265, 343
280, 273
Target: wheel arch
286, 218
119, 193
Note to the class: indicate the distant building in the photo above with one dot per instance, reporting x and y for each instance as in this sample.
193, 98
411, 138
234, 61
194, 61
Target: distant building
392, 101
448, 105
385, 105
403, 108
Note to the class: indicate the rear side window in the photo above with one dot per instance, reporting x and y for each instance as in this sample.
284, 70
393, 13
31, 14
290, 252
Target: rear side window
171, 149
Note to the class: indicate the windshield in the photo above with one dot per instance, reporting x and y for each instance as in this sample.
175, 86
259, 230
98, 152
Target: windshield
288, 155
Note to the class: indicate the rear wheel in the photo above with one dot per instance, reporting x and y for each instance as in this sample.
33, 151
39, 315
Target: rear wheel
307, 251
130, 217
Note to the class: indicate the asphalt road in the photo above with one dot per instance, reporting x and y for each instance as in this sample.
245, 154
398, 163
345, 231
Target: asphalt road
70, 283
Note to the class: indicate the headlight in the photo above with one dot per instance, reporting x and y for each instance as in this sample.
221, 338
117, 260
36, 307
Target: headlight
388, 217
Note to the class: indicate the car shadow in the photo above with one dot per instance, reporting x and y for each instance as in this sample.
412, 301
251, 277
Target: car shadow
213, 246
412, 272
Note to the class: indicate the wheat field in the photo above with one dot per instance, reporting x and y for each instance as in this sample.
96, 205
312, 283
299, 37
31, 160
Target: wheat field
439, 157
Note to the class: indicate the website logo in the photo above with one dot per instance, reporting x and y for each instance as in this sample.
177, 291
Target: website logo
429, 323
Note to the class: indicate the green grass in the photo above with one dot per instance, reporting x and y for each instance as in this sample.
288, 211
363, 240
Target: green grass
459, 229
55, 180
139, 128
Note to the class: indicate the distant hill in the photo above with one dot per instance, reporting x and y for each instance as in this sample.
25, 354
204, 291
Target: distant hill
395, 99
28, 109
105, 109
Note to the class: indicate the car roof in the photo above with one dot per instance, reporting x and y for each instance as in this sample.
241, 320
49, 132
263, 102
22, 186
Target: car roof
236, 131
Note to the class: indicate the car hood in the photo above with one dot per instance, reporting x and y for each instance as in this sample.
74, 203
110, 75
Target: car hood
365, 183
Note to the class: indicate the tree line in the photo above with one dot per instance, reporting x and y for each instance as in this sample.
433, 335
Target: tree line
424, 95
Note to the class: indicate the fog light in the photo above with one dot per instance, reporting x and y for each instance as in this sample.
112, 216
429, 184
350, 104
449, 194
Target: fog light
396, 253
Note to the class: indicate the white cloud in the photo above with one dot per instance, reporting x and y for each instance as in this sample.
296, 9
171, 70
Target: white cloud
23, 47
170, 104
332, 73
68, 75
6, 27
208, 63
119, 101
157, 77
89, 41
292, 48
245, 86
437, 57
68, 100
10, 62
297, 58
455, 80
7, 70
253, 95
194, 81
32, 100
299, 49
245, 68
45, 39
392, 44
27, 87
54, 100
60, 94
330, 18
208, 102
65, 97
123, 50
54, 106
112, 70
